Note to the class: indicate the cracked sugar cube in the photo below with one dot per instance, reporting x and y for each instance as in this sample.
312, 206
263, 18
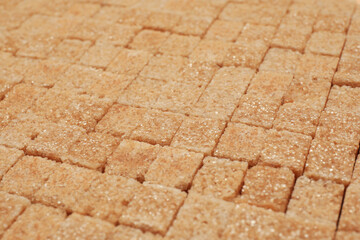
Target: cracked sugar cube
201, 217
330, 161
293, 36
210, 51
11, 207
70, 50
319, 200
344, 235
92, 150
198, 134
256, 110
142, 92
83, 9
108, 197
55, 141
77, 226
129, 61
174, 168
153, 208
343, 99
149, 40
8, 157
350, 213
241, 142
89, 29
297, 117
224, 30
163, 21
132, 159
100, 55
193, 25
348, 71
280, 60
219, 178
316, 67
339, 127
36, 222
246, 53
326, 43
157, 127
270, 84
119, 35
267, 187
27, 176
179, 45
254, 32
122, 232
120, 120
66, 187
308, 93
285, 149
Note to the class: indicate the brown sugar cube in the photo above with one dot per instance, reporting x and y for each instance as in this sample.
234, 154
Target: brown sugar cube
352, 46
36, 46
220, 178
179, 97
270, 84
235, 144
356, 172
77, 226
193, 25
316, 67
256, 110
332, 22
70, 50
122, 232
89, 29
37, 222
246, 53
132, 159
164, 67
354, 28
267, 187
198, 134
119, 35
120, 120
8, 157
343, 235
8, 79
99, 55
292, 36
43, 73
27, 176
349, 219
153, 209
149, 40
301, 14
348, 71
253, 32
344, 99
11, 207
83, 9
308, 92
297, 117
66, 188
330, 161
6, 58
309, 197
130, 16
157, 127
163, 21
92, 150
224, 30
179, 45
280, 60
210, 51
129, 61
142, 92
286, 149
108, 197
204, 8
197, 72
55, 141
201, 217
174, 168
326, 43
339, 127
